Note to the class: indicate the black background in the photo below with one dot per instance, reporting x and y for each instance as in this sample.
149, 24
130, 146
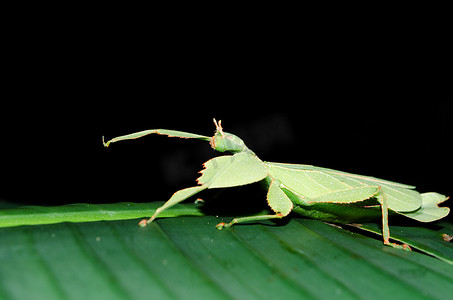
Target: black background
344, 97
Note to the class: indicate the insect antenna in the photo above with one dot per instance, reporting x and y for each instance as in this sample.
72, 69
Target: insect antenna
218, 126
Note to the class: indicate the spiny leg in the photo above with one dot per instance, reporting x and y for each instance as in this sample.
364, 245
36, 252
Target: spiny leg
385, 224
220, 226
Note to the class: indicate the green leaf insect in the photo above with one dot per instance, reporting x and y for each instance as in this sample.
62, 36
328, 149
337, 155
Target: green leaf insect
310, 191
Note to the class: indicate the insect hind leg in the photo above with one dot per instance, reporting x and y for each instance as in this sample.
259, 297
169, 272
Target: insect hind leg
385, 223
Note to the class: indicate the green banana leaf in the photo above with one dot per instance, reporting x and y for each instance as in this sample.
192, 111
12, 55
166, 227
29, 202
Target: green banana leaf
84, 212
188, 258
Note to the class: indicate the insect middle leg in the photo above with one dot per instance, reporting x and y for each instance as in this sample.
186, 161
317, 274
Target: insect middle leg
220, 226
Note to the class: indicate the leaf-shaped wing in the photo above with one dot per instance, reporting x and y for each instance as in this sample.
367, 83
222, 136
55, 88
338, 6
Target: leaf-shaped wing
399, 198
232, 170
336, 172
429, 211
322, 185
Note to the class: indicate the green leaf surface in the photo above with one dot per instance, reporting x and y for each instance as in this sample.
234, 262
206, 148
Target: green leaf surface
83, 212
188, 258
423, 239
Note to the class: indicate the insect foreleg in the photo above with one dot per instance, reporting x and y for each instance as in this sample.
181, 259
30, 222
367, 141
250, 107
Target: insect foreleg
170, 133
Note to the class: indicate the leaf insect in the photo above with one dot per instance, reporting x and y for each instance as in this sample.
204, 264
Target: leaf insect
310, 191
